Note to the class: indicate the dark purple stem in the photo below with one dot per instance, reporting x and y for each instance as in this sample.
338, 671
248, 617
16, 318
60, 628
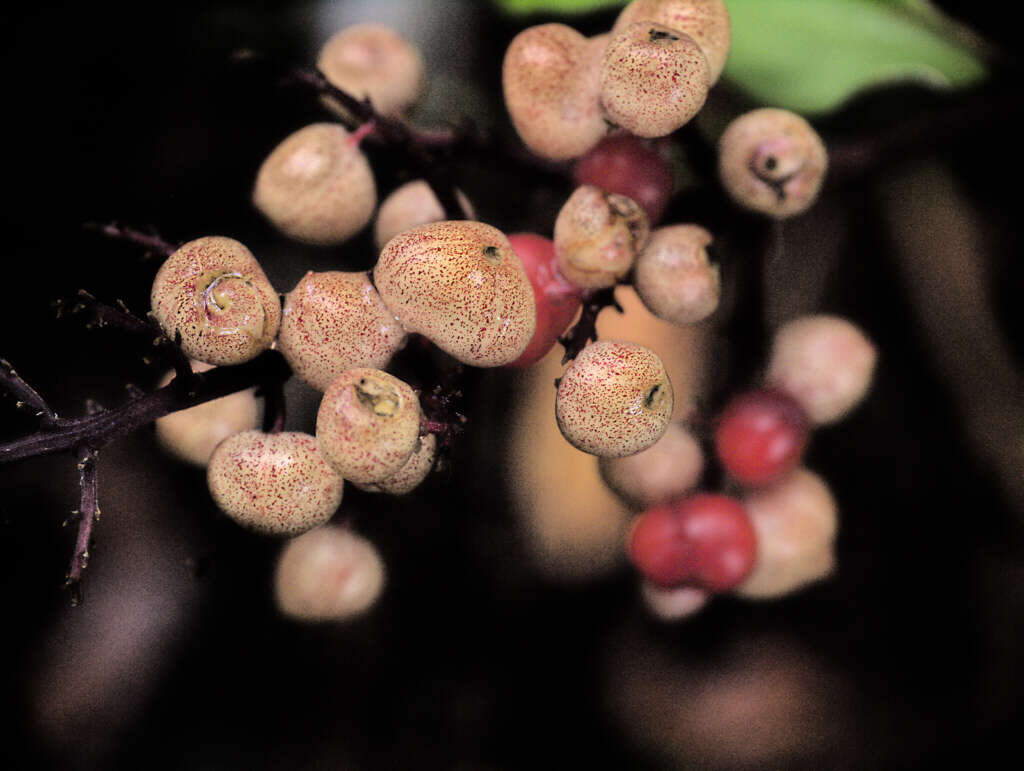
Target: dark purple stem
150, 241
88, 514
584, 331
25, 394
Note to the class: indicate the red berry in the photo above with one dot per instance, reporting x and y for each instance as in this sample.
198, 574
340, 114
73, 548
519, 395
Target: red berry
706, 541
557, 300
761, 435
629, 166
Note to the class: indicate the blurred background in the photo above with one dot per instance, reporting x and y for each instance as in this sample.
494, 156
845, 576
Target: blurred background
511, 634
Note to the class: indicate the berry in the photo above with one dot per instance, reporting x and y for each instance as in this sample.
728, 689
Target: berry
372, 61
335, 321
706, 541
317, 186
368, 425
461, 285
795, 521
328, 574
706, 21
598, 236
629, 166
825, 362
557, 300
215, 294
415, 470
674, 276
666, 470
278, 484
549, 77
761, 435
673, 603
614, 399
414, 203
653, 79
772, 161
192, 434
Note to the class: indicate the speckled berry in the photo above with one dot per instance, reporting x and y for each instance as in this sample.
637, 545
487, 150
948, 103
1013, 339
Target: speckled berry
373, 61
550, 82
215, 294
192, 434
334, 321
279, 484
316, 186
368, 425
328, 574
461, 285
796, 522
412, 474
614, 399
706, 21
772, 161
598, 236
653, 79
674, 276
668, 469
412, 204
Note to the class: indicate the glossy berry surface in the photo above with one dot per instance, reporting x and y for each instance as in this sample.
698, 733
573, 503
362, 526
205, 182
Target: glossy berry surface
706, 541
629, 166
761, 435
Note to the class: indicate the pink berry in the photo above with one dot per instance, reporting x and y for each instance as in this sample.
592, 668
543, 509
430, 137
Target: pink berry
279, 484
668, 469
761, 436
412, 204
631, 167
558, 301
674, 275
335, 321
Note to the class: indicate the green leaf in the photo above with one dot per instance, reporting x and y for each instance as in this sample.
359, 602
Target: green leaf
523, 7
811, 55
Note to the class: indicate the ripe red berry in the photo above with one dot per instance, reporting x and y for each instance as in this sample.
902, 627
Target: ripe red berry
761, 435
629, 166
706, 541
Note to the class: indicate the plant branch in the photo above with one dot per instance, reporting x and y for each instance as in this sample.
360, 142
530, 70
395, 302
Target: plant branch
584, 331
88, 514
25, 394
152, 243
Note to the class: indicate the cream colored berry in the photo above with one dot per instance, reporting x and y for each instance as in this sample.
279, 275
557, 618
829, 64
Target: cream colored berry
824, 362
192, 434
668, 469
373, 61
279, 484
328, 574
796, 522
414, 203
550, 82
598, 236
653, 79
706, 21
461, 285
334, 321
316, 186
772, 161
614, 399
674, 276
672, 603
368, 425
215, 294
412, 473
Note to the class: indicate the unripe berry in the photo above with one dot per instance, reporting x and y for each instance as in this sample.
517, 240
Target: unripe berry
328, 574
796, 521
825, 362
368, 425
279, 484
674, 276
772, 161
666, 470
316, 186
706, 541
614, 399
373, 61
335, 321
192, 434
598, 236
673, 603
412, 473
625, 164
461, 285
414, 203
549, 77
706, 21
653, 79
761, 436
215, 294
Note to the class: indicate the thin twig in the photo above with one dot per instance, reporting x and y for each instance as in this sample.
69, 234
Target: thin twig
25, 394
88, 514
152, 242
584, 331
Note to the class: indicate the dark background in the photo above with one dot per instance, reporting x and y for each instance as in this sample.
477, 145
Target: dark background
473, 659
